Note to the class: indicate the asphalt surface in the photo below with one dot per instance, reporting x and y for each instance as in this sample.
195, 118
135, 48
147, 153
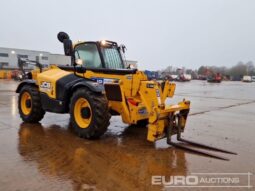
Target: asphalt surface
49, 156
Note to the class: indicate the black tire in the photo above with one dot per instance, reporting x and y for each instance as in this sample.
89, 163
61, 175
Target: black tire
100, 114
37, 111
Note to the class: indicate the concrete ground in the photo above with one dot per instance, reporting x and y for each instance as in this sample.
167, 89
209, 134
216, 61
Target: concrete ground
48, 156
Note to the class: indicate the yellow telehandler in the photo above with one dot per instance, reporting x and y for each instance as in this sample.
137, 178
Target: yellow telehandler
97, 85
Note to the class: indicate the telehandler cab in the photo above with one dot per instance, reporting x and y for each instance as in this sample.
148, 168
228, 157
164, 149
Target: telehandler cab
97, 85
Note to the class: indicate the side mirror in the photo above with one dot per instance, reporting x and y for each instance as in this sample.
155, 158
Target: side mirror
79, 62
123, 48
132, 66
79, 68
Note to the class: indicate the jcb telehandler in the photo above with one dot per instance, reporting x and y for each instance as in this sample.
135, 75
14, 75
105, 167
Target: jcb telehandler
97, 85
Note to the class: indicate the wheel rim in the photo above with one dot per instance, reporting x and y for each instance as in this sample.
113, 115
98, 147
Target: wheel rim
26, 103
82, 113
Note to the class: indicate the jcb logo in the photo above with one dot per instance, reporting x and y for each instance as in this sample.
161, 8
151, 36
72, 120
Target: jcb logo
45, 85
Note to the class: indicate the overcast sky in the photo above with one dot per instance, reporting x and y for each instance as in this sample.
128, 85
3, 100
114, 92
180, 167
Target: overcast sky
156, 33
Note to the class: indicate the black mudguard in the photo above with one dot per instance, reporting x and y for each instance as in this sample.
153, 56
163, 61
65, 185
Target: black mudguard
65, 87
68, 84
91, 85
24, 82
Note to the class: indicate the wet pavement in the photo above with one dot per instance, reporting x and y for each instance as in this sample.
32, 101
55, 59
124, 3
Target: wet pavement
48, 156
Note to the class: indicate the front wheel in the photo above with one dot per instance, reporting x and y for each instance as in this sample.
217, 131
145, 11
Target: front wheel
30, 107
89, 113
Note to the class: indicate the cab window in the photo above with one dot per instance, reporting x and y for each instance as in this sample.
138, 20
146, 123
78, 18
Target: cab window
112, 58
88, 52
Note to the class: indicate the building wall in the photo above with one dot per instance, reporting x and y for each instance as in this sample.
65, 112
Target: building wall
9, 57
59, 59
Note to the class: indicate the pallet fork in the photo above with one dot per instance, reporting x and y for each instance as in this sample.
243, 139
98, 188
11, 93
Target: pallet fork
170, 129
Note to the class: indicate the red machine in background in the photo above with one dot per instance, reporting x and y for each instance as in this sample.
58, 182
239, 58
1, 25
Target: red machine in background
213, 77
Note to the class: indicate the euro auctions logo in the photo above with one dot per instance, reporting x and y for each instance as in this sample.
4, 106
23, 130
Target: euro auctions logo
175, 180
205, 180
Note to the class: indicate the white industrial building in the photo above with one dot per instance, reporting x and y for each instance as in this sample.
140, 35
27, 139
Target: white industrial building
9, 57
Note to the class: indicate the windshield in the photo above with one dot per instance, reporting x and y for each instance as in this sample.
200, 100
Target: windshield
89, 54
112, 58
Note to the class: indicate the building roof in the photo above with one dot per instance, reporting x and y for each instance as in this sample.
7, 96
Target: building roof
24, 50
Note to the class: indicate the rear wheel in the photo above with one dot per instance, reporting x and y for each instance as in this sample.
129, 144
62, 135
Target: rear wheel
89, 113
30, 107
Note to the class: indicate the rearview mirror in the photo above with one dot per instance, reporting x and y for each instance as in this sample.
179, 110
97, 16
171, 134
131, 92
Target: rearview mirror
132, 66
123, 48
79, 62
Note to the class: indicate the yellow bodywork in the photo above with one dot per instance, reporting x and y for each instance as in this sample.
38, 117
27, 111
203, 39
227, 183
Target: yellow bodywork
46, 80
150, 99
141, 98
